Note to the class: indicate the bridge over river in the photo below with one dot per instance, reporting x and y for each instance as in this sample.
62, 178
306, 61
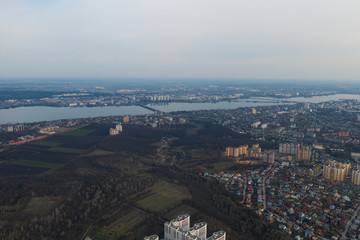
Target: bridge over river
148, 108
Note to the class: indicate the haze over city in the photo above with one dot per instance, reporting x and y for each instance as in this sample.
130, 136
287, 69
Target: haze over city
179, 120
180, 39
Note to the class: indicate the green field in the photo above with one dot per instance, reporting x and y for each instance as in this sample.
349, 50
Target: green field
99, 152
164, 195
121, 226
55, 146
79, 132
37, 164
40, 205
222, 166
47, 143
68, 150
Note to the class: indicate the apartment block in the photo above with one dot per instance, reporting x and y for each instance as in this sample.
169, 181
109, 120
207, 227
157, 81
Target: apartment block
179, 229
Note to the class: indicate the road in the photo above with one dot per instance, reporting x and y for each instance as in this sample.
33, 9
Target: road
264, 190
343, 235
264, 187
244, 192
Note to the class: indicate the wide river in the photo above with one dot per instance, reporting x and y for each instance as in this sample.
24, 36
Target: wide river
40, 113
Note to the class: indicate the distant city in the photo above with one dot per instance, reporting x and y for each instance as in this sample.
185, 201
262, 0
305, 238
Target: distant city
111, 93
293, 162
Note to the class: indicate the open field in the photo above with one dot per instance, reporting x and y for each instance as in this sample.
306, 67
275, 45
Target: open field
40, 205
67, 150
82, 142
121, 226
222, 166
99, 129
36, 155
79, 132
99, 152
47, 143
164, 195
37, 164
64, 129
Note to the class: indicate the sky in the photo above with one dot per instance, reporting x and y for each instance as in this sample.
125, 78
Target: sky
230, 39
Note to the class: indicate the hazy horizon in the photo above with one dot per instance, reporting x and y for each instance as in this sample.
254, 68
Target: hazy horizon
205, 39
159, 79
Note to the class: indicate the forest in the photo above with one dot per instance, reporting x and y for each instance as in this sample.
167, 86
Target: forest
124, 186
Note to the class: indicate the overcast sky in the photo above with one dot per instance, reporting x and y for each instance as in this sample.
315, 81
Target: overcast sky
263, 39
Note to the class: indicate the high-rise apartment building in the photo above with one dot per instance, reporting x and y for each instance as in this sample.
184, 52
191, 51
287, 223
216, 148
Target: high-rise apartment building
269, 157
346, 165
288, 148
336, 171
355, 178
236, 151
229, 152
179, 229
118, 129
152, 237
255, 151
19, 128
220, 235
303, 153
126, 119
243, 150
10, 128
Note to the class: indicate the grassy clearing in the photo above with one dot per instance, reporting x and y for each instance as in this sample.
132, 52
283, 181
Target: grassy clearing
99, 152
55, 146
40, 205
182, 209
164, 195
64, 129
31, 163
79, 132
47, 144
121, 226
68, 150
222, 166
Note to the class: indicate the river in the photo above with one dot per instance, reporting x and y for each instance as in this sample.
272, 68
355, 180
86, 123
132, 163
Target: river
41, 113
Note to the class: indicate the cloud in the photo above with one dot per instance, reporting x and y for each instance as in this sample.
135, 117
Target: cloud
180, 39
